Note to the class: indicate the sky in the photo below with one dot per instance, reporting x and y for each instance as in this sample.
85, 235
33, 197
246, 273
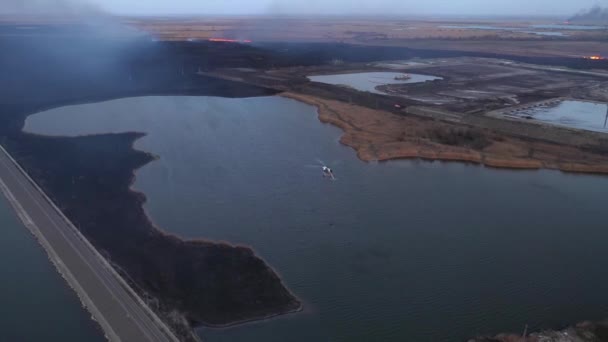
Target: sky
414, 7
306, 7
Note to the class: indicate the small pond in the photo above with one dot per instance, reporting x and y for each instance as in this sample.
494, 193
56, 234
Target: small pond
575, 114
368, 81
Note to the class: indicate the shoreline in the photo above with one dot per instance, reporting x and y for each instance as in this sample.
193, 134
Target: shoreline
112, 216
376, 135
197, 242
168, 234
448, 157
140, 194
585, 331
174, 299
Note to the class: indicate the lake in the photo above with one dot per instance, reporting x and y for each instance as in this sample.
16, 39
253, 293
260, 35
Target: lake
540, 26
368, 81
547, 33
480, 27
569, 27
37, 304
395, 251
575, 114
513, 29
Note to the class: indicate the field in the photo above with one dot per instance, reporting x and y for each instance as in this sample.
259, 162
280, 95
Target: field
483, 70
524, 37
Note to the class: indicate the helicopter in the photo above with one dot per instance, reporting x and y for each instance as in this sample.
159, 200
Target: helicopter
327, 172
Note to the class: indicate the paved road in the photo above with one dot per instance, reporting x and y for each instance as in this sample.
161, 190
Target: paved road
120, 312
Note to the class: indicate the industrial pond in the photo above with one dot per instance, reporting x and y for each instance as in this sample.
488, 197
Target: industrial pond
504, 28
369, 81
395, 251
585, 115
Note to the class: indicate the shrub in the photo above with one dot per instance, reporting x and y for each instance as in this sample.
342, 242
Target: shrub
472, 138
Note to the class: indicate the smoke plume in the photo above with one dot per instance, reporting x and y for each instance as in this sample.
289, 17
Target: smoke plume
595, 15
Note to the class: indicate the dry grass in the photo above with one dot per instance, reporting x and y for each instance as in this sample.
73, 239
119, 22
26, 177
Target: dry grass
379, 135
426, 34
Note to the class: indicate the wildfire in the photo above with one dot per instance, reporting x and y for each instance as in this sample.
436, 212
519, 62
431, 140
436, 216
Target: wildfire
595, 58
225, 40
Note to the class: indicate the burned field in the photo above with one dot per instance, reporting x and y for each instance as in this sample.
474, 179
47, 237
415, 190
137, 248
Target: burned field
200, 282
466, 88
477, 85
468, 84
187, 282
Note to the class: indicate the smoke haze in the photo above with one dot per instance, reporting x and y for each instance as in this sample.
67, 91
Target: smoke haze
49, 7
351, 7
304, 7
596, 14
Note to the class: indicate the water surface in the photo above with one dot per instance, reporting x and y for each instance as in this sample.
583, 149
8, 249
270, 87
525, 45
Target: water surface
368, 81
35, 302
542, 26
547, 33
481, 27
575, 114
397, 251
569, 27
513, 29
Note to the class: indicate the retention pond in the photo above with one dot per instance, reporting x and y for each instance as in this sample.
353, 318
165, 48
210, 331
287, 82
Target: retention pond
368, 81
569, 113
